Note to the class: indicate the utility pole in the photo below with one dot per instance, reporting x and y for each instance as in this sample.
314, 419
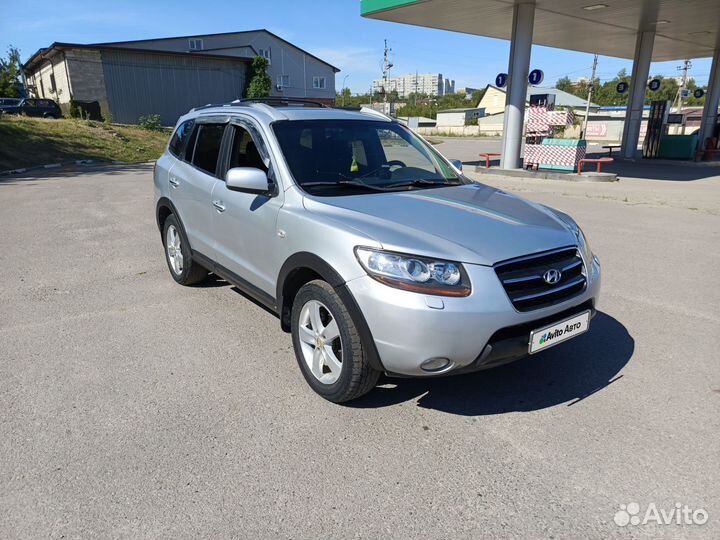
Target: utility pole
589, 97
687, 64
387, 64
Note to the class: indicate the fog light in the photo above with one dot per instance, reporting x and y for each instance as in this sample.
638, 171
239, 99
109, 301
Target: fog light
435, 364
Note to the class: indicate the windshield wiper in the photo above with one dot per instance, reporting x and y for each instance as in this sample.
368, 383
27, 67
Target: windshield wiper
344, 183
423, 182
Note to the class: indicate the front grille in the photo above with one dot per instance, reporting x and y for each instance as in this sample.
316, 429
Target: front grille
523, 280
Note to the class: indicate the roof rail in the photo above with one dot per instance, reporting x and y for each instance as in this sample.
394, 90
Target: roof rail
280, 101
212, 106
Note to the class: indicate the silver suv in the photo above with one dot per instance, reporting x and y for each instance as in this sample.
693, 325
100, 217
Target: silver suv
374, 251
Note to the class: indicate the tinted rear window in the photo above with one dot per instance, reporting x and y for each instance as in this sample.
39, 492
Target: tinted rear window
207, 147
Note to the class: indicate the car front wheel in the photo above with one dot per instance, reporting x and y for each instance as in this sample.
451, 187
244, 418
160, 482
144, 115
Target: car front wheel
328, 346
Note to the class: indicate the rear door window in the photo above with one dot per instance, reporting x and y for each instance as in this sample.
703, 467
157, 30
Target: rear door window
207, 147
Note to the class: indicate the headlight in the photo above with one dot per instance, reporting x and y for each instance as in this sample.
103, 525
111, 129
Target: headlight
413, 273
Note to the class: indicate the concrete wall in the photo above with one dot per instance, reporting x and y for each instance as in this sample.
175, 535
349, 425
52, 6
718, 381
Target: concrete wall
86, 76
448, 119
609, 129
464, 131
285, 59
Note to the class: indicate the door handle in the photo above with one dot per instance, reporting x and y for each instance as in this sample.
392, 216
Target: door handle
174, 182
219, 206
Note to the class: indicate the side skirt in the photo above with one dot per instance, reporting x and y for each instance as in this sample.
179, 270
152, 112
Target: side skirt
245, 286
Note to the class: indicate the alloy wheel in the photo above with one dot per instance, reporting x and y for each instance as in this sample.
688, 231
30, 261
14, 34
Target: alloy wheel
174, 249
320, 341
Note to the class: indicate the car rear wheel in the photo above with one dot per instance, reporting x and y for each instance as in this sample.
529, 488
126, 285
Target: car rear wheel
178, 255
328, 346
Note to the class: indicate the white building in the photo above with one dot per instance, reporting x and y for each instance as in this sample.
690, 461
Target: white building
431, 84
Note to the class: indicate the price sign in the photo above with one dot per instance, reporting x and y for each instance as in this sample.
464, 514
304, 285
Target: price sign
536, 77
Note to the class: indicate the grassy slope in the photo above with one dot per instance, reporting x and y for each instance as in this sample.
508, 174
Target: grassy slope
25, 142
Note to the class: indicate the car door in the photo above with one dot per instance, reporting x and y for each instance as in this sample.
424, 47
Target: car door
246, 223
29, 107
192, 180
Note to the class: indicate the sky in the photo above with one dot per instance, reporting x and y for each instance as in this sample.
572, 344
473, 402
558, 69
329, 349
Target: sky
330, 29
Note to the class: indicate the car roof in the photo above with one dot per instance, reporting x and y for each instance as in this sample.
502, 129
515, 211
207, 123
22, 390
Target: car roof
266, 113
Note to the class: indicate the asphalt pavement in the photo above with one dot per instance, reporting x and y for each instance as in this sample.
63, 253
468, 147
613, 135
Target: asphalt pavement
132, 407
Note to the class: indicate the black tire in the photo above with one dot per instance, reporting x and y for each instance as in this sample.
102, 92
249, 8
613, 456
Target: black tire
191, 272
356, 377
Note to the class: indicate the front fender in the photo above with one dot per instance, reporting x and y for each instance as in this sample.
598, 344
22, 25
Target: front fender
304, 261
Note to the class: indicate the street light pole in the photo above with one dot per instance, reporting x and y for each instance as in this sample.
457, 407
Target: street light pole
343, 89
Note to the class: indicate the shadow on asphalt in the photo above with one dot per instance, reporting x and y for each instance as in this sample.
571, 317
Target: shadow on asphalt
566, 374
74, 171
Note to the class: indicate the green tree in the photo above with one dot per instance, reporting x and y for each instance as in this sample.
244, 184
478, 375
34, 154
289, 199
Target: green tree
343, 98
692, 101
668, 90
352, 100
259, 84
477, 96
565, 84
10, 74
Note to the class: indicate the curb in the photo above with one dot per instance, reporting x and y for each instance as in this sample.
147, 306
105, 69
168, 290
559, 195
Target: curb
588, 176
62, 164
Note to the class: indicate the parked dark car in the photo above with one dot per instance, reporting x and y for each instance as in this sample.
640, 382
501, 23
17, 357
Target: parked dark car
43, 108
8, 101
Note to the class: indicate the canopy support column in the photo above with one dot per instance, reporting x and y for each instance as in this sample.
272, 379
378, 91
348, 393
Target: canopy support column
638, 85
518, 69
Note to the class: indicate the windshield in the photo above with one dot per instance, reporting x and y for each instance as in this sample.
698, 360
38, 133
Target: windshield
327, 157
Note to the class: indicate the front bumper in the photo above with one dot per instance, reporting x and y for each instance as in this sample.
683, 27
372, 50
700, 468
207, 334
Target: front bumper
475, 332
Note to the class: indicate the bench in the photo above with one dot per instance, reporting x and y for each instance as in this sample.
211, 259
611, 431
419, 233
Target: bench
598, 161
488, 156
611, 147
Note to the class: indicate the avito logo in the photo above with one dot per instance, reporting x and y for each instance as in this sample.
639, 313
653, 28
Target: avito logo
559, 332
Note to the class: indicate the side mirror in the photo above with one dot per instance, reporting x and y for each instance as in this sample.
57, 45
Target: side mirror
247, 179
457, 164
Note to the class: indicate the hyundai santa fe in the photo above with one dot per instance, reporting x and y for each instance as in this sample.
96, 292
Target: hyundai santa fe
376, 253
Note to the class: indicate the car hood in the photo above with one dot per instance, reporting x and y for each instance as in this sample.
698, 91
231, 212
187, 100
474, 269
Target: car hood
472, 223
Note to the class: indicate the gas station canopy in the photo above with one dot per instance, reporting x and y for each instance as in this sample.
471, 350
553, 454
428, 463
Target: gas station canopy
683, 28
644, 30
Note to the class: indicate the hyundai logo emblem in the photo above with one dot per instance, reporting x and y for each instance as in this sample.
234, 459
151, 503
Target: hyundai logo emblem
552, 276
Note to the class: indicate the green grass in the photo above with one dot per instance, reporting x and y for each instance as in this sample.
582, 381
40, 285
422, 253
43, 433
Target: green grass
25, 142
